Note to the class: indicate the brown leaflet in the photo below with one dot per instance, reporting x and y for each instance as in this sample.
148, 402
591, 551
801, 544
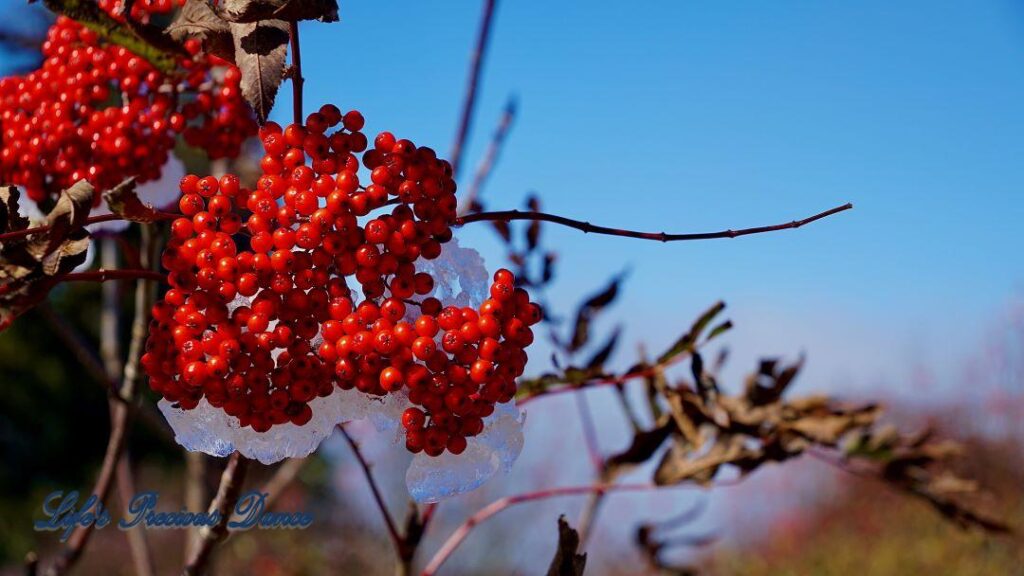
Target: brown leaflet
31, 265
124, 202
260, 50
567, 562
250, 11
197, 19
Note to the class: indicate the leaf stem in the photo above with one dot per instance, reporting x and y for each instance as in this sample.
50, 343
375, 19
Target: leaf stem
297, 79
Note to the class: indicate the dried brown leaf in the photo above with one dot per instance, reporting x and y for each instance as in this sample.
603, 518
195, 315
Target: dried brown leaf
125, 202
260, 50
567, 562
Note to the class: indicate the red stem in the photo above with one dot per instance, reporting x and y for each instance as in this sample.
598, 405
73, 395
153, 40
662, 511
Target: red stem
497, 506
91, 220
396, 538
473, 84
104, 275
587, 227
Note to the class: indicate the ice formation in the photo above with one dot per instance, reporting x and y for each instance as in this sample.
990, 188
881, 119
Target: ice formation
432, 479
460, 279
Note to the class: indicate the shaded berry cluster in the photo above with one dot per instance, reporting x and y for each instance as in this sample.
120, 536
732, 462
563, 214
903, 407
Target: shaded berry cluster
309, 282
99, 112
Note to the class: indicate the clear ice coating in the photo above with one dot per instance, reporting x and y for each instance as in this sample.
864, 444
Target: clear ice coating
212, 431
461, 280
431, 479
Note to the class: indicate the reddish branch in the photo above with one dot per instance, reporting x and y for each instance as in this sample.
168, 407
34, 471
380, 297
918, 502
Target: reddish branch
497, 506
587, 227
104, 275
224, 503
473, 84
91, 220
396, 537
296, 72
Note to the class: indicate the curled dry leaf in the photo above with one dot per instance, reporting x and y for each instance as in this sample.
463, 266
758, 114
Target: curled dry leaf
250, 11
125, 202
567, 562
197, 19
31, 265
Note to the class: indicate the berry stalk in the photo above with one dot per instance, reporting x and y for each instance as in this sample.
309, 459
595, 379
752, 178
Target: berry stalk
104, 275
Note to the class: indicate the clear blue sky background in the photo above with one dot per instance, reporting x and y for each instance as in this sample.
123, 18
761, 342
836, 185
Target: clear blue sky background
699, 116
687, 116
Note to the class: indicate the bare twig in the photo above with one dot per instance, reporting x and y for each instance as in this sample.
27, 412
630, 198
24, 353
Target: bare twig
195, 494
142, 556
587, 227
460, 534
14, 234
86, 355
283, 476
223, 503
396, 537
471, 201
120, 416
473, 84
589, 433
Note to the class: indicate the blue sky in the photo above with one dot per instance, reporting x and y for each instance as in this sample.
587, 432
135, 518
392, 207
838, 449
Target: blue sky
686, 116
701, 116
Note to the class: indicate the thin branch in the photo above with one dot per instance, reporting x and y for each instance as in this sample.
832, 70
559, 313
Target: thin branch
396, 538
104, 275
472, 85
195, 494
223, 503
471, 202
282, 478
121, 413
87, 357
587, 227
589, 433
142, 556
15, 234
460, 534
296, 72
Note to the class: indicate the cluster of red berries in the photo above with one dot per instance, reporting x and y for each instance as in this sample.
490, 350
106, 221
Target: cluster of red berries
261, 330
141, 10
100, 112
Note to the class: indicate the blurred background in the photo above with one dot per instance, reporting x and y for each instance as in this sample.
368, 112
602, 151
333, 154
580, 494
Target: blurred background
664, 116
